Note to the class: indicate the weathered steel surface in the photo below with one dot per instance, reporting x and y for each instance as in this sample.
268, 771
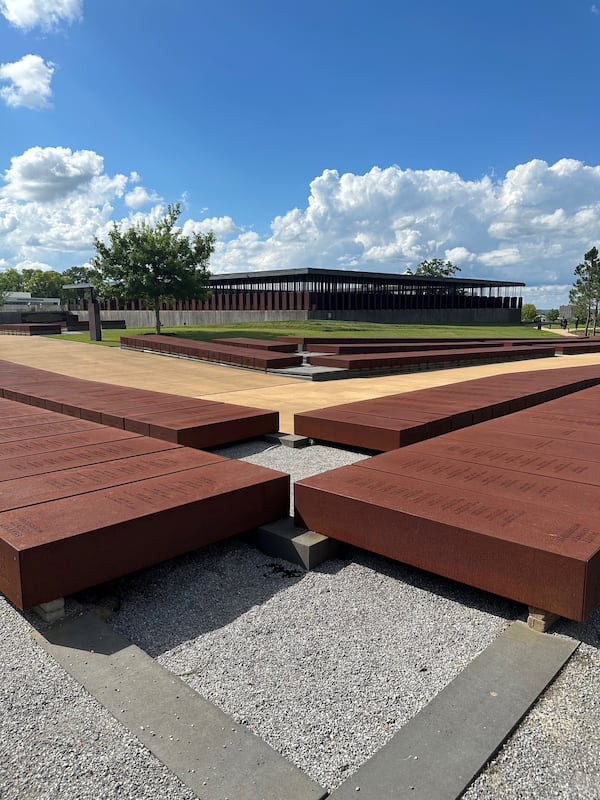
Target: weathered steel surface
255, 358
54, 427
547, 559
509, 505
482, 399
279, 346
78, 481
51, 444
55, 548
563, 465
56, 461
123, 407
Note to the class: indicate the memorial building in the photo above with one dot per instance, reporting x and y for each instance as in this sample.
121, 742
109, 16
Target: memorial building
311, 293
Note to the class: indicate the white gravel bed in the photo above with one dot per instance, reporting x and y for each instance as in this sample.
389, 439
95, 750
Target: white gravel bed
56, 741
325, 666
555, 752
299, 463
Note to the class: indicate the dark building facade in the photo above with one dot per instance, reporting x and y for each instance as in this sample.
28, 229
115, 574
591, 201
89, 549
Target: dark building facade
347, 295
342, 294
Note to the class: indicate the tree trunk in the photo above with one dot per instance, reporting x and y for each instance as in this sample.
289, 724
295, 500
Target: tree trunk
587, 320
157, 316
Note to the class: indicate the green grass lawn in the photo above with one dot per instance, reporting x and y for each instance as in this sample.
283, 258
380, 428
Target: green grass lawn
273, 330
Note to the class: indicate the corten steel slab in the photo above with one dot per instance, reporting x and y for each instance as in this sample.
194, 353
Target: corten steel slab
495, 396
78, 481
233, 425
550, 560
376, 361
500, 482
416, 347
57, 461
253, 357
546, 414
124, 411
577, 347
259, 344
360, 430
52, 444
31, 328
540, 445
568, 433
62, 546
15, 417
58, 426
103, 403
562, 466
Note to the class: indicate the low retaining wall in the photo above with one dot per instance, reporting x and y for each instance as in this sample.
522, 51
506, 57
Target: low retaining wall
146, 319
466, 316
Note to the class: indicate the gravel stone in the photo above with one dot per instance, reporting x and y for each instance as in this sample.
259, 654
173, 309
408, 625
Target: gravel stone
325, 666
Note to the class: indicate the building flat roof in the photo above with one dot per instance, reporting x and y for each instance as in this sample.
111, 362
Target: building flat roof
353, 275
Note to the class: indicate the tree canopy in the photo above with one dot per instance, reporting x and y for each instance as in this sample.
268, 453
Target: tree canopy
585, 294
528, 312
155, 263
38, 282
435, 268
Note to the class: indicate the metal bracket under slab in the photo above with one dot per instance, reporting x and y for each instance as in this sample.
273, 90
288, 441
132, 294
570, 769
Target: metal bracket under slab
284, 539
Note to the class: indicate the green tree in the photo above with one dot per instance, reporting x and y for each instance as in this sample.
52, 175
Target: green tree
436, 268
528, 312
155, 263
43, 283
552, 315
11, 280
585, 294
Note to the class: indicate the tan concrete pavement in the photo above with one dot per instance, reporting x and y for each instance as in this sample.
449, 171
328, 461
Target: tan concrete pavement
240, 386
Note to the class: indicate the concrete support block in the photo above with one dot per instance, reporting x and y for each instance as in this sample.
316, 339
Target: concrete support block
287, 439
540, 620
283, 539
51, 611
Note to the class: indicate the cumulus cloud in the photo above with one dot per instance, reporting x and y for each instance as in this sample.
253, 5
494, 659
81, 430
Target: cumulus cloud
53, 202
222, 227
49, 174
139, 197
44, 14
531, 225
29, 264
28, 82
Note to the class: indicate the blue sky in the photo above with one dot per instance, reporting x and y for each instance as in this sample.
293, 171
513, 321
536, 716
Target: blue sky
336, 134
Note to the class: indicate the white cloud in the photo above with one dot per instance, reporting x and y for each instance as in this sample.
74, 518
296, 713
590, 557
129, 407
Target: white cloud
52, 205
534, 224
45, 14
48, 174
28, 264
222, 227
28, 82
139, 196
